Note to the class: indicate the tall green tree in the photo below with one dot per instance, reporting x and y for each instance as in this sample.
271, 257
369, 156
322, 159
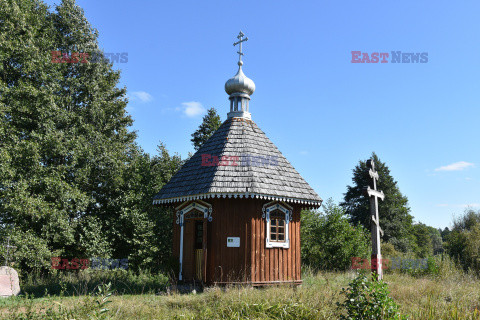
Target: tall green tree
66, 141
395, 218
211, 122
144, 231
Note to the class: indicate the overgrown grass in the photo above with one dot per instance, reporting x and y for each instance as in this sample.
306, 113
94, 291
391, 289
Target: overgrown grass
420, 297
76, 283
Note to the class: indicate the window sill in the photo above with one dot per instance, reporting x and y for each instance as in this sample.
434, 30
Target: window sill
275, 244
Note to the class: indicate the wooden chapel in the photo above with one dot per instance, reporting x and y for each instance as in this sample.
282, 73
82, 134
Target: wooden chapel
237, 203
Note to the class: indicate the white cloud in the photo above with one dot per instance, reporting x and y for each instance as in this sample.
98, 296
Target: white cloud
457, 166
304, 153
142, 96
442, 205
192, 109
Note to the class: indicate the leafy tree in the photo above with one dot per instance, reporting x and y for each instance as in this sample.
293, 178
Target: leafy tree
437, 242
423, 246
444, 233
66, 141
73, 182
463, 241
329, 242
144, 231
395, 218
211, 122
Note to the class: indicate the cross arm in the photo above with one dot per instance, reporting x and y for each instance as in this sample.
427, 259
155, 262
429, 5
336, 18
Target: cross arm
240, 41
368, 192
373, 174
378, 225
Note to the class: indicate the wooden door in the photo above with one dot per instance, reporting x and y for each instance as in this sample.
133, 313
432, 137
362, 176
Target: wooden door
199, 250
188, 250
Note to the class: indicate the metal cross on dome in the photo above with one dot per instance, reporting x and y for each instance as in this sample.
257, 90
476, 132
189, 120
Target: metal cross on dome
240, 40
374, 195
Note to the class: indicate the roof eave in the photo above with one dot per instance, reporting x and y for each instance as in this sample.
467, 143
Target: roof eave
314, 203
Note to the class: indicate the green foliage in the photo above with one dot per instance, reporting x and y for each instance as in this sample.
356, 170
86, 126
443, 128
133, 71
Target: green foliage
367, 299
211, 122
444, 233
388, 250
423, 246
103, 294
143, 232
463, 242
329, 242
395, 218
437, 242
68, 136
73, 182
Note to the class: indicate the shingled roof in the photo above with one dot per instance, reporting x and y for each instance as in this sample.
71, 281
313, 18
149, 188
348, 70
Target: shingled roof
252, 167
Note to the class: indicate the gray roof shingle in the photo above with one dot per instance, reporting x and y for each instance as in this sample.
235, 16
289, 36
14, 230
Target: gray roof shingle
260, 169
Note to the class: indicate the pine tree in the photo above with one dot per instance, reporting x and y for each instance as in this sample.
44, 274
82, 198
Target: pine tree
395, 218
211, 122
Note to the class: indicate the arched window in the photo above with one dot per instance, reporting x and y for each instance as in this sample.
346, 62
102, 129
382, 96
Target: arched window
277, 226
278, 218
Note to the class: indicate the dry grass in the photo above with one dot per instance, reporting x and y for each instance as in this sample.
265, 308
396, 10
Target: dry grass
454, 297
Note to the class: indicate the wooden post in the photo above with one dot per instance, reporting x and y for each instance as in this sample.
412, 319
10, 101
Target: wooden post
374, 195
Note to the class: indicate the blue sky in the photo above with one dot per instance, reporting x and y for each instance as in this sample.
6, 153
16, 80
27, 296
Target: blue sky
323, 112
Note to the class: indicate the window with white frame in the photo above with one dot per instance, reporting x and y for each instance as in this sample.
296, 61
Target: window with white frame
278, 218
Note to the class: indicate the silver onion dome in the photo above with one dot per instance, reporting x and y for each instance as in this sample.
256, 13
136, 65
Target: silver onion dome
240, 83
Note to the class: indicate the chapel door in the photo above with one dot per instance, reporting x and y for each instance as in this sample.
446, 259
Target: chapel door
194, 247
189, 250
198, 250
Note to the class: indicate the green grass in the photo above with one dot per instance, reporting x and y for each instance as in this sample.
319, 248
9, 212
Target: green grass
455, 296
72, 283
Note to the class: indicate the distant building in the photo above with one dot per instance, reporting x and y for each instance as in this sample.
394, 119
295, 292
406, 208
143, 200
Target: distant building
237, 202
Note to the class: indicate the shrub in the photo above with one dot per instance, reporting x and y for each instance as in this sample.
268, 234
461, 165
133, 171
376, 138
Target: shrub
463, 242
329, 242
366, 299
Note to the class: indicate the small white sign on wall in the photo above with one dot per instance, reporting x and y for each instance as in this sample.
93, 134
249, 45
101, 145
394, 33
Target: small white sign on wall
233, 242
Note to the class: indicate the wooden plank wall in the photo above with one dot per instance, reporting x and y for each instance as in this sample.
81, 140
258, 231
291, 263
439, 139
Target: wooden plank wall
275, 264
230, 219
252, 262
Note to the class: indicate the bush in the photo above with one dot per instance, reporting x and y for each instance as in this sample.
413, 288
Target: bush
329, 242
463, 242
366, 299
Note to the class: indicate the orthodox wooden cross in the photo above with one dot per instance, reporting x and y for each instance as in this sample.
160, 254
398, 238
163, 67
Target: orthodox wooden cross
240, 40
373, 194
8, 246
